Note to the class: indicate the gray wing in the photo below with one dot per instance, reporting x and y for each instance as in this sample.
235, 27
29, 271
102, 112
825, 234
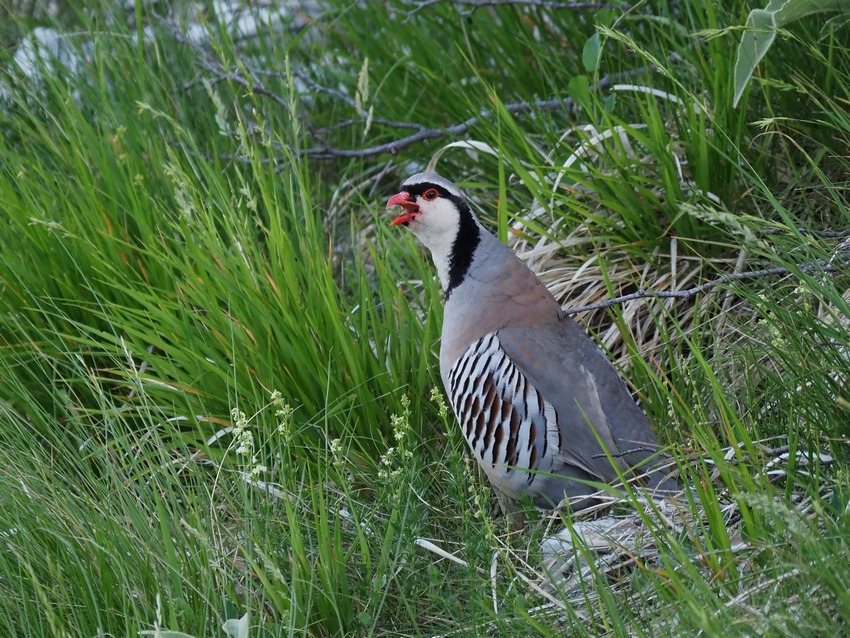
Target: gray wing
592, 402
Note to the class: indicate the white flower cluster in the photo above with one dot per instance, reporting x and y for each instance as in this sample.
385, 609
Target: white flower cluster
394, 459
283, 411
242, 436
243, 442
336, 452
438, 400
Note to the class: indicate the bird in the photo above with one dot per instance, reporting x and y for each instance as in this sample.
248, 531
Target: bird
543, 410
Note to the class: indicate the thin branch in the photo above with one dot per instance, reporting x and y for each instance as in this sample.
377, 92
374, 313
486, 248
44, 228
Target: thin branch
821, 265
780, 450
619, 455
339, 95
423, 133
249, 78
380, 176
236, 75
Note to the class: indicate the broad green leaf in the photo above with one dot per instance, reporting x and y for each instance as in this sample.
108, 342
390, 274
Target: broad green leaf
762, 25
579, 89
591, 53
237, 627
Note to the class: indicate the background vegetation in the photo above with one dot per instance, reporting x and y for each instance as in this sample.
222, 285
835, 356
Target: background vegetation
219, 396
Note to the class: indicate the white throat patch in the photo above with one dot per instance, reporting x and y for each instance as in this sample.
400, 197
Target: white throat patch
436, 226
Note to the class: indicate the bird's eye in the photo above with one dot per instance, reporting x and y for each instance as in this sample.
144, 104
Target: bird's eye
430, 194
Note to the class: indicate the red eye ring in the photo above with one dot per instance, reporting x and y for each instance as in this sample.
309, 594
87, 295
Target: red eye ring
431, 194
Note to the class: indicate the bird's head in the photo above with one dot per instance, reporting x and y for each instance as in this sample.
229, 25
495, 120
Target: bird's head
436, 212
432, 208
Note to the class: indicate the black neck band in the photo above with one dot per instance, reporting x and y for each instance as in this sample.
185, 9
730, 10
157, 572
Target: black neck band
467, 240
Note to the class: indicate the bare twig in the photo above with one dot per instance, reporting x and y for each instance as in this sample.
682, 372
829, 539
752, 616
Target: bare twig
249, 78
363, 113
424, 133
822, 265
781, 450
380, 176
243, 76
620, 455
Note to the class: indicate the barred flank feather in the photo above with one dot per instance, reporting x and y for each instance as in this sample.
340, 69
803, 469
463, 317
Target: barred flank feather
511, 429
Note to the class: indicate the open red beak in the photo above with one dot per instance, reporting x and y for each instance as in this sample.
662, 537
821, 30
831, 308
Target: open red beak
411, 208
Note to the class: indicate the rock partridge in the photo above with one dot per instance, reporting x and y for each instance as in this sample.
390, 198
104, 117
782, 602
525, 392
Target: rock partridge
536, 399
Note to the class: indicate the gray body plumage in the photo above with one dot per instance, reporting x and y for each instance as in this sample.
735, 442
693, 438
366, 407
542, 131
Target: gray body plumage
501, 297
542, 408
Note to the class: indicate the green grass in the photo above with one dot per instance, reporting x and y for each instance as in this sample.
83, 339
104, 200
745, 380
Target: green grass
217, 359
